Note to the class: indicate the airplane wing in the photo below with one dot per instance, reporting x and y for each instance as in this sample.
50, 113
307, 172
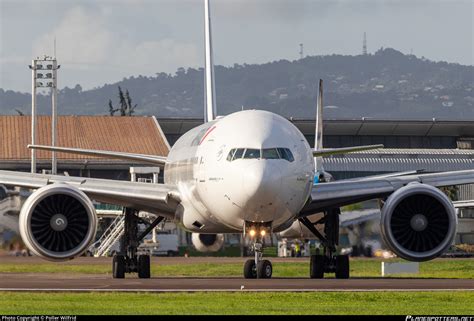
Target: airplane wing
340, 193
464, 204
358, 217
150, 159
343, 150
154, 198
388, 175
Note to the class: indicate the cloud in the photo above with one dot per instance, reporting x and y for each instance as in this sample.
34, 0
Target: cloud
299, 11
89, 40
81, 36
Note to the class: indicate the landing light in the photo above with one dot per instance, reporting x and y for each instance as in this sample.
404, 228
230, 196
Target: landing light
252, 232
263, 232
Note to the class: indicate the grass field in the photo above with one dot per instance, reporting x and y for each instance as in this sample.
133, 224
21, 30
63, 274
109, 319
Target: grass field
427, 303
440, 268
400, 302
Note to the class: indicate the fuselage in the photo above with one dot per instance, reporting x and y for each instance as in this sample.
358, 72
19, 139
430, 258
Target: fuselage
248, 167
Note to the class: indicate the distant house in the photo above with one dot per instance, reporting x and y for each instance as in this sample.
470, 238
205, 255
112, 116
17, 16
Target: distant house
447, 104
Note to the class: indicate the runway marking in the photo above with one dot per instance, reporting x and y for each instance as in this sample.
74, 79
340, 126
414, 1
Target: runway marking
228, 290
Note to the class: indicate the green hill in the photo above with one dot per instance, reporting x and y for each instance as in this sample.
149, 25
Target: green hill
387, 84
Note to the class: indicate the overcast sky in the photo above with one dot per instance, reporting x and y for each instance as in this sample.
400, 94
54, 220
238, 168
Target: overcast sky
102, 41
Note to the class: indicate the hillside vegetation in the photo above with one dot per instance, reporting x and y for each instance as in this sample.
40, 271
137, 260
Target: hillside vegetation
387, 84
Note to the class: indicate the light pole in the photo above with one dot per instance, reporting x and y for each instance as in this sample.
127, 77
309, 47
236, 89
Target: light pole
33, 114
44, 75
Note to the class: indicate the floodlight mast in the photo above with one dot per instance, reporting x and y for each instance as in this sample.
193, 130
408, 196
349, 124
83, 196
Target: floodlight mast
50, 66
33, 114
54, 116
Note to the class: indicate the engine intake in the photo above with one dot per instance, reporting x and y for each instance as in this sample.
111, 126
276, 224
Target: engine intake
58, 222
418, 222
207, 242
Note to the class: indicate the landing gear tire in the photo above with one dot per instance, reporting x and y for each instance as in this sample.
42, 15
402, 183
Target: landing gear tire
250, 270
264, 269
316, 266
144, 266
118, 267
342, 267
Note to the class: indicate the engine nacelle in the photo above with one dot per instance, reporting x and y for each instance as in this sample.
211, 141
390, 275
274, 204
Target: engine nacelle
58, 222
207, 242
418, 222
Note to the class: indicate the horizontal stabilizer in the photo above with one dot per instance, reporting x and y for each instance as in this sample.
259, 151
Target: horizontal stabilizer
343, 150
149, 159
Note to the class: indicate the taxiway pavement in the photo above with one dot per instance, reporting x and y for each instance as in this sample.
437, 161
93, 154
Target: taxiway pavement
104, 282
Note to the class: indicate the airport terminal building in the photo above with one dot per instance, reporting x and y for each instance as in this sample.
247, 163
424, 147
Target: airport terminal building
141, 135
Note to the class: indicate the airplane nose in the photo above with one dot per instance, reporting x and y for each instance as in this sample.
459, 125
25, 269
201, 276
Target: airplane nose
262, 185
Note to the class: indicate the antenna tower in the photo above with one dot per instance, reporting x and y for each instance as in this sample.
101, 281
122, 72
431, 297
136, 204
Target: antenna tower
364, 45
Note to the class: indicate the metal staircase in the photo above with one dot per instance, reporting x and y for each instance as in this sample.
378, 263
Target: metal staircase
116, 229
110, 237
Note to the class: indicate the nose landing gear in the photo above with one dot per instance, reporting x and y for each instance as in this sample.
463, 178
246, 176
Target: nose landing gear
258, 268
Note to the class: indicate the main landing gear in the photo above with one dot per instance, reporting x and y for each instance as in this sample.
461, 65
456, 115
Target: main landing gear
128, 260
257, 268
328, 262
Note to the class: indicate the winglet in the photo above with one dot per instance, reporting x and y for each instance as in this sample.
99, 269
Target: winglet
210, 93
319, 151
318, 135
318, 132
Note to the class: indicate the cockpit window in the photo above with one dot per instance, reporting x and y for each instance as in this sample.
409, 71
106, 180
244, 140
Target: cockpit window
267, 153
252, 153
238, 153
231, 154
270, 153
285, 153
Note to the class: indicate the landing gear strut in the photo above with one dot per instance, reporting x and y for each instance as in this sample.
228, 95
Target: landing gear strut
329, 262
128, 260
257, 267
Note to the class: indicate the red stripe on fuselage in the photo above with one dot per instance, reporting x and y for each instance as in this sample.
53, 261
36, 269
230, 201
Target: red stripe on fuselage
207, 133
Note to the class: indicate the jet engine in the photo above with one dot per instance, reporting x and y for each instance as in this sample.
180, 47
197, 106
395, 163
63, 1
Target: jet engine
58, 222
207, 242
418, 222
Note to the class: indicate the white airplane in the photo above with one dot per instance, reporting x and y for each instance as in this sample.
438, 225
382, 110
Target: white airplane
250, 172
